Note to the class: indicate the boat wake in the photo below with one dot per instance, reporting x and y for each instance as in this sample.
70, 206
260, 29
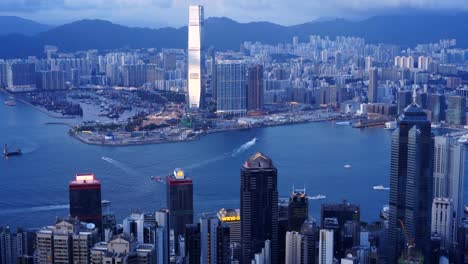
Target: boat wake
119, 165
34, 209
234, 153
244, 147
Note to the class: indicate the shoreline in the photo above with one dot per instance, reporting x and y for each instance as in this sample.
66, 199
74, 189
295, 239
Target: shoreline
195, 138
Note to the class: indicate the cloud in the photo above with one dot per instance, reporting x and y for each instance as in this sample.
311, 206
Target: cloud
155, 13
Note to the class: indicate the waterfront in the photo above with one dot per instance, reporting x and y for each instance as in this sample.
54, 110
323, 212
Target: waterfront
314, 155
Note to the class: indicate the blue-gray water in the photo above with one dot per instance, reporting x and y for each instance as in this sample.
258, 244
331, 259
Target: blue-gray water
34, 187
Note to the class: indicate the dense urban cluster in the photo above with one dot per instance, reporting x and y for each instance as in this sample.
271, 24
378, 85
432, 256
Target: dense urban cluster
179, 93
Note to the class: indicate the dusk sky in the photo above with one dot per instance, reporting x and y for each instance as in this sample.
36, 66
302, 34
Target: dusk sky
157, 13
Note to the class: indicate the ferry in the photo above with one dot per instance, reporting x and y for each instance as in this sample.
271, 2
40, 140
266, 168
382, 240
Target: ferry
345, 123
381, 188
317, 197
7, 153
347, 166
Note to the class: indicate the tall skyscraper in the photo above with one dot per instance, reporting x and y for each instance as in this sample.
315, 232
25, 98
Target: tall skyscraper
403, 100
259, 207
308, 229
372, 92
193, 243
85, 199
411, 183
293, 247
325, 246
179, 201
195, 57
231, 95
298, 209
255, 88
437, 105
441, 224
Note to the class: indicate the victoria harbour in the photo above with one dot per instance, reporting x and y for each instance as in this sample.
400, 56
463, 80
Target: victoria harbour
308, 155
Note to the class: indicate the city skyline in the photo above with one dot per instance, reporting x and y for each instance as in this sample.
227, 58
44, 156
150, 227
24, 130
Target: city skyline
163, 13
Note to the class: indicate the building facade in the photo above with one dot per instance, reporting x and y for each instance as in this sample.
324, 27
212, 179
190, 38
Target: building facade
195, 57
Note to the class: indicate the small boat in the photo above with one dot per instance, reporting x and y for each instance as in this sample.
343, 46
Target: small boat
380, 188
347, 166
157, 179
317, 197
7, 153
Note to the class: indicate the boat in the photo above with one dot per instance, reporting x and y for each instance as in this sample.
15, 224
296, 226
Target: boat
347, 166
391, 125
157, 179
7, 153
381, 188
317, 197
385, 211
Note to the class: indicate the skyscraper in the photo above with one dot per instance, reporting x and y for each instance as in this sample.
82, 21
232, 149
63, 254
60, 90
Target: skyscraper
195, 57
231, 96
456, 110
372, 93
259, 207
162, 219
293, 247
309, 255
298, 209
411, 183
85, 199
179, 201
255, 88
192, 243
325, 246
403, 100
442, 224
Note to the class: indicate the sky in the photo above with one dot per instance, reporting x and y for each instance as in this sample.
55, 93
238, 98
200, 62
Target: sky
159, 13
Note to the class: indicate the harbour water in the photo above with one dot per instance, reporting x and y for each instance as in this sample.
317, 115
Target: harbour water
34, 187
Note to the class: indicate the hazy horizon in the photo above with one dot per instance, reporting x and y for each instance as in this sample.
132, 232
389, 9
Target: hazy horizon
174, 13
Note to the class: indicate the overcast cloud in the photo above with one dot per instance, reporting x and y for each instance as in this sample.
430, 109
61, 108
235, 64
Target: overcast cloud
157, 13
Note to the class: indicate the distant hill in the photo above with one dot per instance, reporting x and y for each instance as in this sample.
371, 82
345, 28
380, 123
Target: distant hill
18, 25
224, 33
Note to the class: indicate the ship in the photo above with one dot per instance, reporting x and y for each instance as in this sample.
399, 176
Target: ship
157, 179
347, 166
317, 197
7, 153
381, 188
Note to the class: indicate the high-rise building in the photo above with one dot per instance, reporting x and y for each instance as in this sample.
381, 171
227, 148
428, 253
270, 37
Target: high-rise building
456, 110
298, 209
134, 226
259, 207
122, 249
195, 57
3, 74
193, 244
308, 230
162, 220
293, 247
403, 100
372, 93
21, 76
223, 249
231, 217
339, 217
8, 246
411, 183
441, 224
50, 80
85, 199
325, 246
231, 95
255, 88
437, 105
179, 201
208, 231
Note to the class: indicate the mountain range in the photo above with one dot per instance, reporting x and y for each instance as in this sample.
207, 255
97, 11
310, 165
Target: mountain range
25, 37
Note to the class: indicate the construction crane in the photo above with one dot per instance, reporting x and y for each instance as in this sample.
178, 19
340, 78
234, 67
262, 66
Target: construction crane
409, 242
